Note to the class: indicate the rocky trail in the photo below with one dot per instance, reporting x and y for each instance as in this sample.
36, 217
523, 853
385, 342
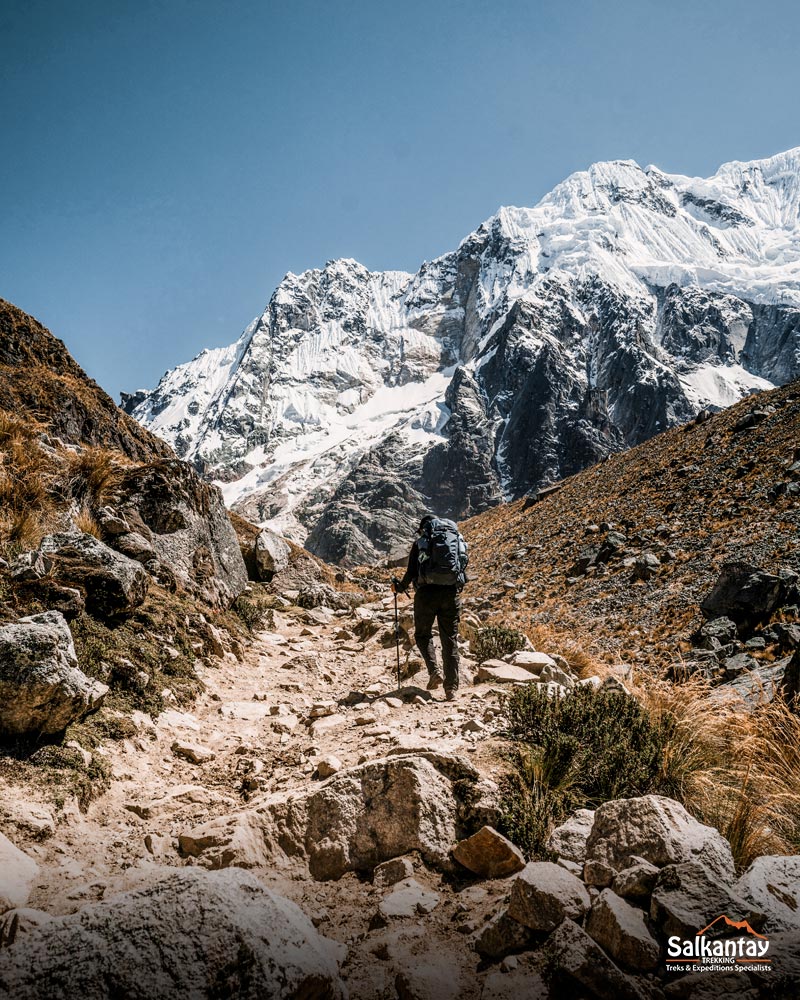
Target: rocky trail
309, 700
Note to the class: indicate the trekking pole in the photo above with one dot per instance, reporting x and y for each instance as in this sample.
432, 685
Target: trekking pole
397, 638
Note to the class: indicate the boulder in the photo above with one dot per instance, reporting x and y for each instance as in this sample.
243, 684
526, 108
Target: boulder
637, 881
687, 897
489, 854
185, 521
498, 672
190, 934
271, 554
660, 831
717, 632
392, 872
236, 840
621, 931
42, 690
569, 840
15, 923
17, 874
544, 894
772, 885
501, 936
745, 594
328, 765
530, 660
576, 960
113, 583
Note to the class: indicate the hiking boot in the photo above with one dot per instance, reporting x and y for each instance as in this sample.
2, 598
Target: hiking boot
449, 695
434, 681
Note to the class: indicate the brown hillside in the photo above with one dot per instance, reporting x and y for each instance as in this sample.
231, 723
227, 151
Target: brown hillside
39, 378
694, 497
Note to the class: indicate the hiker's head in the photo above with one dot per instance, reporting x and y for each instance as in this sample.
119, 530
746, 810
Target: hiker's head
426, 520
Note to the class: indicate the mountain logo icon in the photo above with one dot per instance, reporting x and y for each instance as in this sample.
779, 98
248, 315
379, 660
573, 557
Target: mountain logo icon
738, 925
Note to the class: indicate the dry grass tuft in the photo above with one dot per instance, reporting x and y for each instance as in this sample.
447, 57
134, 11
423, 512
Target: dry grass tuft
734, 768
94, 475
86, 522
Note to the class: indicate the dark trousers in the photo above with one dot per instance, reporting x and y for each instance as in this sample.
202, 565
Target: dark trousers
442, 605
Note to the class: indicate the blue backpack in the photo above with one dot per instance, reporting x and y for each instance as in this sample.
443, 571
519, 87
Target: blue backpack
443, 555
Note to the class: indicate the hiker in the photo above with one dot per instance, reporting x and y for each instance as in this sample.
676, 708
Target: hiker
437, 567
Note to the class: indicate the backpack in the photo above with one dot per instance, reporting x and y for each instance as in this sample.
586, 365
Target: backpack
443, 555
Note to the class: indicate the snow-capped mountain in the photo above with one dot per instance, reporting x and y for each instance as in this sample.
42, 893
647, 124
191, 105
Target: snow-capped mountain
624, 302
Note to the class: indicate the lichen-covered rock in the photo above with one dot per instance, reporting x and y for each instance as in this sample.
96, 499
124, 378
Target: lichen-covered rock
544, 894
113, 583
185, 521
271, 554
620, 930
772, 885
569, 840
42, 689
191, 934
659, 830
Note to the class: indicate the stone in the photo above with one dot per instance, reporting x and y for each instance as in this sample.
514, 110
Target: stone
489, 854
569, 839
544, 894
328, 765
174, 799
15, 923
409, 899
320, 709
187, 524
227, 841
524, 981
745, 594
393, 871
687, 897
327, 724
271, 554
772, 885
113, 583
497, 672
659, 830
531, 660
192, 752
28, 566
501, 936
717, 631
577, 960
621, 931
179, 936
739, 663
17, 875
598, 873
636, 881
646, 566
42, 689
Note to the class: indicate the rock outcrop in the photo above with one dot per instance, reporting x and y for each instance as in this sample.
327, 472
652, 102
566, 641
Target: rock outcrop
191, 934
42, 689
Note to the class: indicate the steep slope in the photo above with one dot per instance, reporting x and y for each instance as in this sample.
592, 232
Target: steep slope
39, 378
725, 488
623, 303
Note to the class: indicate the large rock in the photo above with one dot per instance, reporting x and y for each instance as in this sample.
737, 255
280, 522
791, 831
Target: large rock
772, 885
359, 818
227, 841
575, 958
271, 554
569, 840
544, 894
192, 934
185, 521
42, 690
113, 583
659, 830
621, 931
501, 936
745, 594
687, 898
489, 854
17, 874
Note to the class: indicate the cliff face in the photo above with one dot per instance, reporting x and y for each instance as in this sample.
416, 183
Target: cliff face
622, 304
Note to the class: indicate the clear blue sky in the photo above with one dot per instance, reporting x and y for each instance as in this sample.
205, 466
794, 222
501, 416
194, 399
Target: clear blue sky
164, 162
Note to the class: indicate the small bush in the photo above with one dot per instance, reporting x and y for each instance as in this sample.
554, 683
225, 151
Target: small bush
576, 751
254, 614
496, 641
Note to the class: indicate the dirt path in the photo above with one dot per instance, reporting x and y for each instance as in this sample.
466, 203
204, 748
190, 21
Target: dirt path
256, 718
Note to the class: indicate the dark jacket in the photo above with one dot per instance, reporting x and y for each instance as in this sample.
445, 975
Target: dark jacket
412, 570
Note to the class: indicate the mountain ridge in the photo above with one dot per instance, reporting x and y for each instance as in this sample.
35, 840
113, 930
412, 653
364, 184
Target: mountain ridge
623, 303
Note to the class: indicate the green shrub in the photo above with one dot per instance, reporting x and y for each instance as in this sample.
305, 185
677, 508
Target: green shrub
254, 614
496, 641
576, 751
